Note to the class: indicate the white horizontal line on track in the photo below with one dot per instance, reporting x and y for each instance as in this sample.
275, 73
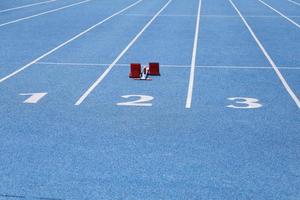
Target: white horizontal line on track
167, 65
26, 6
165, 15
212, 16
250, 16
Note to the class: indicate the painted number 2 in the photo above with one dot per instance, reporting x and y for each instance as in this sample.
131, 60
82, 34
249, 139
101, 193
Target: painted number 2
143, 100
244, 103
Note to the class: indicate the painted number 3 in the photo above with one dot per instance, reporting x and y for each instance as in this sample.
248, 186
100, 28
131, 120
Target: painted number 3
244, 103
142, 100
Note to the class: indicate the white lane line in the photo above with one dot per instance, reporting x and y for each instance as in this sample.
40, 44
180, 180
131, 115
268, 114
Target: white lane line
168, 65
67, 42
193, 64
43, 13
294, 2
282, 15
71, 64
280, 76
213, 16
248, 16
244, 67
105, 73
27, 6
165, 15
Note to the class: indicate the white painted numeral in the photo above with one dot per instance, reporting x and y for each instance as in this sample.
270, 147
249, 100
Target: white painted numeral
143, 100
244, 103
34, 97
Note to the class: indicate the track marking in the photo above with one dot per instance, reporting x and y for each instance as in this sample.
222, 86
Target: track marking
34, 97
165, 15
294, 2
212, 16
143, 100
105, 73
248, 103
282, 15
67, 42
26, 6
280, 76
249, 16
167, 65
43, 13
193, 64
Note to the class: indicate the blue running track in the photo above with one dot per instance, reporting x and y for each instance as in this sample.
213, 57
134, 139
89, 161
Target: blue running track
222, 122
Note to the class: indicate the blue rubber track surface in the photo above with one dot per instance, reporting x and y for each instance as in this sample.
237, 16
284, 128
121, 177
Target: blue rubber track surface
240, 139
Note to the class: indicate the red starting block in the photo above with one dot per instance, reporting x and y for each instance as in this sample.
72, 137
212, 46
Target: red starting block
154, 69
135, 70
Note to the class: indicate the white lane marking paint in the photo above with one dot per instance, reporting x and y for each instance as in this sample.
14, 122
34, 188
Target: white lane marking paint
67, 42
282, 15
141, 101
193, 64
211, 16
105, 73
167, 65
262, 48
27, 6
71, 64
294, 2
165, 15
245, 103
248, 16
34, 97
43, 13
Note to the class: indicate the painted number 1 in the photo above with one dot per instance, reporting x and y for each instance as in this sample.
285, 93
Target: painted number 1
244, 103
142, 100
33, 97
